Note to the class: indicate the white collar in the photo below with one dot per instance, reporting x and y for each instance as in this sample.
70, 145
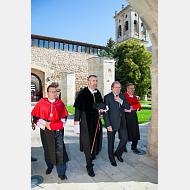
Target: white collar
92, 92
131, 96
52, 100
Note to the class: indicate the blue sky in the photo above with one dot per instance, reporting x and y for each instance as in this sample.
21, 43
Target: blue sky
83, 21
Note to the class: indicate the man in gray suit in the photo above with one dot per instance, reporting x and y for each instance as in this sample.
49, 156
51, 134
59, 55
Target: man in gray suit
115, 121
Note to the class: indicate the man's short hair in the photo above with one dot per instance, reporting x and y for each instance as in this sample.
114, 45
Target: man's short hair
51, 85
91, 76
130, 85
112, 85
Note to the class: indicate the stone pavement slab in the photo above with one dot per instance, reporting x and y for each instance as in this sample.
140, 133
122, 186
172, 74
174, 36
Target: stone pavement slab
138, 172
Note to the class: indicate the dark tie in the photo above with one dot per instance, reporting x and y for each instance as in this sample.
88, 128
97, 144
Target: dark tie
118, 102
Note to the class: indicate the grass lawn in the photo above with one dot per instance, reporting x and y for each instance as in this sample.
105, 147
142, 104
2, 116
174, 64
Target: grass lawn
143, 115
70, 109
145, 102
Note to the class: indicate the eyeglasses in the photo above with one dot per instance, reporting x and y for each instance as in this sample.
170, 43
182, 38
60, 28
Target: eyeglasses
117, 87
51, 92
132, 88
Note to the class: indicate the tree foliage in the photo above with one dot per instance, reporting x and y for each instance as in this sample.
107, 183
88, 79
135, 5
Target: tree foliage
109, 50
133, 63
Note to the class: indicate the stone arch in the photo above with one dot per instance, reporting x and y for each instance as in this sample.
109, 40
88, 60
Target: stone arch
40, 75
148, 12
40, 82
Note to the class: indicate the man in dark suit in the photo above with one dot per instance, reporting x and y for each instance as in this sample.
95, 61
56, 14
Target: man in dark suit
115, 121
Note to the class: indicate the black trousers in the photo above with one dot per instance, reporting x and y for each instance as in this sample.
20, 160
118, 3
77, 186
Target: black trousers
88, 162
122, 143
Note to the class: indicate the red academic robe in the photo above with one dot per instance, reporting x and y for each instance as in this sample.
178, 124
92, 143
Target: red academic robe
52, 140
43, 110
133, 101
131, 118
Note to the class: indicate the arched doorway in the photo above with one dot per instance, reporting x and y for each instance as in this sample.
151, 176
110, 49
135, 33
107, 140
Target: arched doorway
36, 88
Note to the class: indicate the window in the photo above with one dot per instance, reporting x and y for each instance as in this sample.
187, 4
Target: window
95, 51
92, 50
41, 43
135, 26
87, 50
75, 48
46, 44
61, 46
126, 25
83, 49
36, 42
31, 41
52, 44
66, 46
70, 47
119, 31
56, 45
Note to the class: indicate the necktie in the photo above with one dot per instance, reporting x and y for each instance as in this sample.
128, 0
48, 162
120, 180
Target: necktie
118, 102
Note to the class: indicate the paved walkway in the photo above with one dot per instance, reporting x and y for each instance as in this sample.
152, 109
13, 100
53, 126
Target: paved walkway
137, 172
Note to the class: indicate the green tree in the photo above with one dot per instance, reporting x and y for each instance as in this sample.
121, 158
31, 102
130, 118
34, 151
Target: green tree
109, 50
133, 63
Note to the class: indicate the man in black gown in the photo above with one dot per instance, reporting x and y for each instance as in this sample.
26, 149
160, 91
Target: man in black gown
86, 122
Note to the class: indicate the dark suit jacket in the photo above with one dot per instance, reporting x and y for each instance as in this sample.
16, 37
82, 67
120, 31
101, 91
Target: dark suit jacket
113, 117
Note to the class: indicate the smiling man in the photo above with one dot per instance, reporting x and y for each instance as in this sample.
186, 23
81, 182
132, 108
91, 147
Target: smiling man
86, 122
132, 119
50, 115
115, 121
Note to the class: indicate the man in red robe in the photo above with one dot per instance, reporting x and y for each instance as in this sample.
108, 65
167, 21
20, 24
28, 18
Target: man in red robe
50, 115
131, 118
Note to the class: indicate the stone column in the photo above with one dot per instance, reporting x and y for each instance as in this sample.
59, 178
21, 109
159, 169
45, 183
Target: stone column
152, 144
68, 88
104, 69
131, 24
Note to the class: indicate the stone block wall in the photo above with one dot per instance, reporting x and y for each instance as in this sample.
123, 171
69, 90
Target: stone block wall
56, 61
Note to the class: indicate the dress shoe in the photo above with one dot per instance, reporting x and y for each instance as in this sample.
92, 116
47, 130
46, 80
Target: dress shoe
113, 162
119, 158
136, 151
49, 170
90, 172
62, 177
125, 150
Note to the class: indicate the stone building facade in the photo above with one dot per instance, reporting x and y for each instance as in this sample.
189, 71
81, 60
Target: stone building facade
48, 61
68, 67
129, 25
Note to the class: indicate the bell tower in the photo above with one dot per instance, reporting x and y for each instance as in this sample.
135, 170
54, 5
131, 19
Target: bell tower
128, 24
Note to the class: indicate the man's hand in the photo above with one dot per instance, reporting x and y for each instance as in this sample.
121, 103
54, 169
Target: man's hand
33, 126
101, 111
132, 108
118, 99
47, 125
110, 129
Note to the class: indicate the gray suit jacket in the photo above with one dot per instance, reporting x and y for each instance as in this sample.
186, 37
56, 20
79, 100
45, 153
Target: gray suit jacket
115, 114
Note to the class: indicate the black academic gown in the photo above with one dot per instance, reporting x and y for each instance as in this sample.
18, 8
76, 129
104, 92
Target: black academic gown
53, 144
132, 126
88, 118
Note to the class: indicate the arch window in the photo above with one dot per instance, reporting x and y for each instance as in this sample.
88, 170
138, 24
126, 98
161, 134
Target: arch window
135, 26
119, 31
126, 25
